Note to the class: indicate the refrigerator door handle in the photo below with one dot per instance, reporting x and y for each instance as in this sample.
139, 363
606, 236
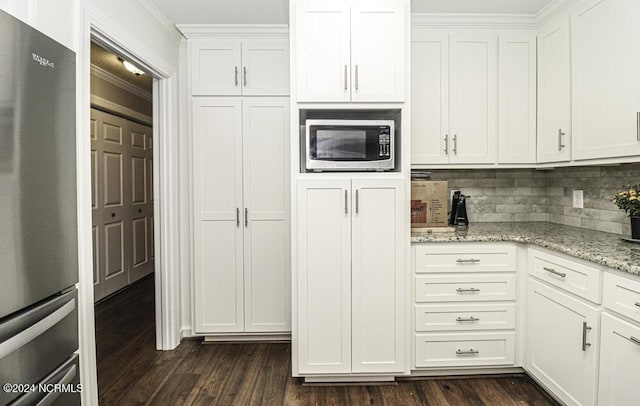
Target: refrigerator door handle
32, 329
61, 376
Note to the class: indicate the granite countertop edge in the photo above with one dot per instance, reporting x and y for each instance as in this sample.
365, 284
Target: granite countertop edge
614, 255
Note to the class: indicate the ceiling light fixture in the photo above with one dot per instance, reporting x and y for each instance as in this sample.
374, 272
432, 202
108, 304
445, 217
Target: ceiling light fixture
131, 67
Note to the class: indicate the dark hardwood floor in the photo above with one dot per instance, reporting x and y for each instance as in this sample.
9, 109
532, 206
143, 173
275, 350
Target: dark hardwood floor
132, 372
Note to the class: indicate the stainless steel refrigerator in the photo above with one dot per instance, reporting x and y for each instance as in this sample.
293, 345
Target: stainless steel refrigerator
38, 219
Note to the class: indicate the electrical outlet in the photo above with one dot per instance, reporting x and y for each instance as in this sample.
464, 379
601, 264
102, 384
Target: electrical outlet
578, 199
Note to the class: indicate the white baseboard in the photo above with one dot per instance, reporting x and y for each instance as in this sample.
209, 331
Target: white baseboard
248, 337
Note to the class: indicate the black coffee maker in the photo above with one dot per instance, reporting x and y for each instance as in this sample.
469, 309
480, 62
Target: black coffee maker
459, 210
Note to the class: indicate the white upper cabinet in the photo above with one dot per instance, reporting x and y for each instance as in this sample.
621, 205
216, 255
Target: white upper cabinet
429, 97
473, 98
554, 91
606, 78
232, 67
350, 50
517, 99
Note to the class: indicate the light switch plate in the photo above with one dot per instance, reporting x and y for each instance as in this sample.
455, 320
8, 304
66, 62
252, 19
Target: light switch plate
578, 199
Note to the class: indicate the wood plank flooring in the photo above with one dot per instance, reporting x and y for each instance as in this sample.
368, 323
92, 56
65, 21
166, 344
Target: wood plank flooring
132, 372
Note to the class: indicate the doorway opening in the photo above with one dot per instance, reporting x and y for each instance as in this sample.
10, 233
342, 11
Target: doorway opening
122, 205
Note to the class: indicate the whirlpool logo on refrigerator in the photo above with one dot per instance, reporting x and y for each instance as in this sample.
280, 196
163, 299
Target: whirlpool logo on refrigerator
43, 61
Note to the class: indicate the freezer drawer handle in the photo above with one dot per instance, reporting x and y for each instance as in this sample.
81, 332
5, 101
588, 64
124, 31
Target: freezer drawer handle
28, 334
462, 319
63, 376
470, 290
467, 261
634, 340
471, 351
553, 271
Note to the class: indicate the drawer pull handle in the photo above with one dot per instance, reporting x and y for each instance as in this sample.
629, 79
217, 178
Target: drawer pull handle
637, 304
635, 340
461, 319
468, 261
470, 290
553, 271
585, 328
471, 351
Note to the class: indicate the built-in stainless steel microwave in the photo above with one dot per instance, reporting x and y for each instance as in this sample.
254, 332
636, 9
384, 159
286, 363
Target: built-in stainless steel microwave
350, 145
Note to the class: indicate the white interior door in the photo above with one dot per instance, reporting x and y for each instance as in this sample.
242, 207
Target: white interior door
141, 204
217, 177
265, 67
96, 212
606, 78
324, 276
473, 98
554, 91
215, 67
323, 50
429, 98
377, 50
267, 282
378, 269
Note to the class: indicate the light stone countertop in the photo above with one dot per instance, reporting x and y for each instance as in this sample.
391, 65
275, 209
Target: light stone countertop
595, 246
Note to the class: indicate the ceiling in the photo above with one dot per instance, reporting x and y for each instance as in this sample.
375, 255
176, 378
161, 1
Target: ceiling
108, 61
277, 11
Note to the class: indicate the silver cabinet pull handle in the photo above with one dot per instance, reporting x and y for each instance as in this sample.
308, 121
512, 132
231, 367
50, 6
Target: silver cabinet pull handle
470, 290
637, 304
446, 144
471, 351
462, 319
345, 202
638, 126
246, 217
560, 135
455, 144
585, 328
236, 76
238, 217
553, 271
634, 340
467, 261
244, 75
357, 202
357, 79
345, 77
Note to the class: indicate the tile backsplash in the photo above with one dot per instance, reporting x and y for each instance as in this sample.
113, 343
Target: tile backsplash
506, 195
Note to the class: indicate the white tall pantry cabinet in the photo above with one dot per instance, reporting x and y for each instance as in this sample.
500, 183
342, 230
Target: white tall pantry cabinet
240, 132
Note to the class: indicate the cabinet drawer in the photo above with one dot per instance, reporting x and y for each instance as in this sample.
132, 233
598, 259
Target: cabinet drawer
464, 349
465, 288
465, 317
622, 295
575, 277
464, 258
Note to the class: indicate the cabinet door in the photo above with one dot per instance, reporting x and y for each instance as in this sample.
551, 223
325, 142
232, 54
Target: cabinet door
378, 297
266, 219
474, 102
377, 50
606, 78
429, 98
265, 67
324, 276
562, 347
619, 360
215, 67
517, 99
323, 50
217, 200
554, 91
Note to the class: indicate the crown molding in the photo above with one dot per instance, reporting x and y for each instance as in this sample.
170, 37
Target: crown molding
551, 10
233, 30
157, 18
473, 21
121, 83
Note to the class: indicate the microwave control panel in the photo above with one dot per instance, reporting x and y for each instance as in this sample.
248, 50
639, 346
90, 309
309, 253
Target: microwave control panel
384, 142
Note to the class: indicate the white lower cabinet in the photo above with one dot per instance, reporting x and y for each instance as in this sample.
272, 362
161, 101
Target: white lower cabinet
350, 286
563, 342
240, 214
619, 361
